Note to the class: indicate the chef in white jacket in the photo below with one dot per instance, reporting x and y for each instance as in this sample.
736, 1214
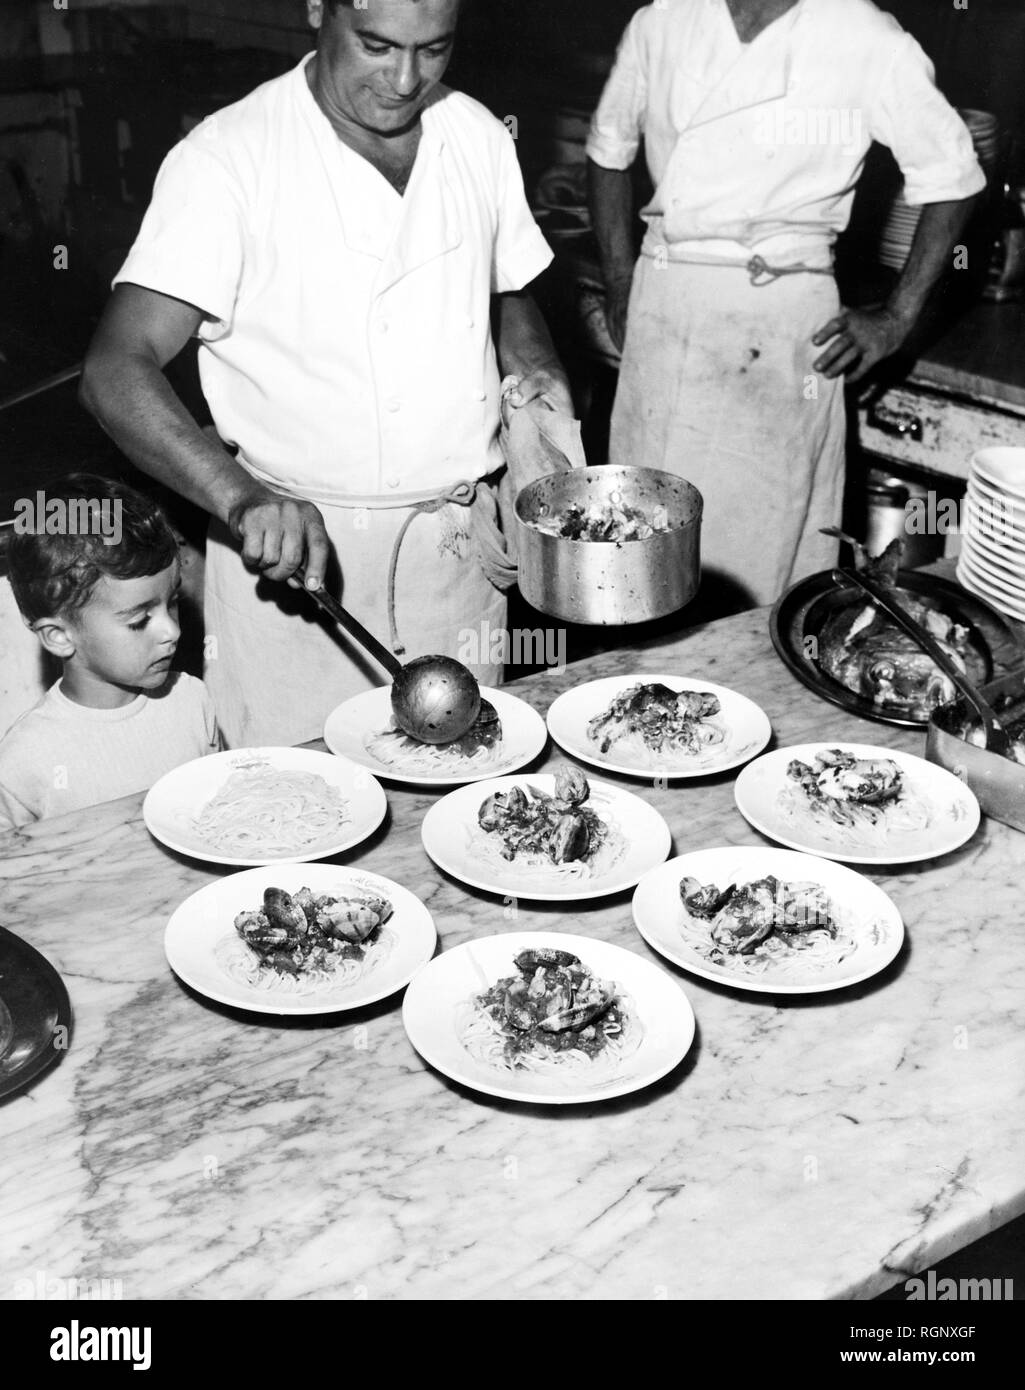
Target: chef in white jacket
337, 241
756, 117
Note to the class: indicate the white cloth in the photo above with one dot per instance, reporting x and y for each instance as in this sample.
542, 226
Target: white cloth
61, 756
348, 349
716, 386
758, 147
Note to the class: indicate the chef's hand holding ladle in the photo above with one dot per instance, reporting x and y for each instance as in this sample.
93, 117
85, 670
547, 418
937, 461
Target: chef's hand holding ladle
434, 699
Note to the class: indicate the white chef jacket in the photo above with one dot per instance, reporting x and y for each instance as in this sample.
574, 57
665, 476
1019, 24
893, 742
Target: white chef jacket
758, 147
347, 348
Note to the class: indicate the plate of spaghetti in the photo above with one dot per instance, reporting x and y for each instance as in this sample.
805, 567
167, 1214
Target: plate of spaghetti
768, 920
547, 1018
299, 939
508, 735
658, 726
857, 803
553, 838
254, 806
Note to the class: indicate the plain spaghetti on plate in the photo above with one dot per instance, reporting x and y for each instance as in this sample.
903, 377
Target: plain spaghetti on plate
267, 810
552, 1017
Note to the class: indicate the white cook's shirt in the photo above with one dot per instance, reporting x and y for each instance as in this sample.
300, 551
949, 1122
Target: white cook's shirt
758, 147
347, 346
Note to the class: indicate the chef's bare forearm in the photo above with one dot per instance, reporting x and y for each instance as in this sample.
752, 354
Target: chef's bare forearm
612, 210
136, 405
939, 228
124, 386
524, 342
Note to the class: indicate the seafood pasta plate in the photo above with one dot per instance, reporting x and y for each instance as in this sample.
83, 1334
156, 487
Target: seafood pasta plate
547, 1018
768, 920
658, 726
857, 803
299, 939
820, 632
549, 838
361, 730
254, 806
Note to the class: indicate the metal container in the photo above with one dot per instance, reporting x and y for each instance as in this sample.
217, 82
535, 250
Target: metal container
610, 582
998, 782
887, 497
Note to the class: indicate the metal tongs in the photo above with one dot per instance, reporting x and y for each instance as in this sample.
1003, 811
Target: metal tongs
997, 740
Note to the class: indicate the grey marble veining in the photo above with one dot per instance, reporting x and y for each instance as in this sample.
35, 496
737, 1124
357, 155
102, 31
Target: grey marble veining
811, 1148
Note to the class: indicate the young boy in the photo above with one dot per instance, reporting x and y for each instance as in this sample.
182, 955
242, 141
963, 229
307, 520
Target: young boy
98, 582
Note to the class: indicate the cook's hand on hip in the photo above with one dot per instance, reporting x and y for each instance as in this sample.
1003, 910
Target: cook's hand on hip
280, 535
860, 339
547, 382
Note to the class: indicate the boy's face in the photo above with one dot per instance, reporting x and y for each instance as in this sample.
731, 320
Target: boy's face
128, 630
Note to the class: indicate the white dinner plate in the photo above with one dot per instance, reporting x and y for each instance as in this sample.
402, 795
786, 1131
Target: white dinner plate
172, 806
202, 930
747, 729
1003, 467
352, 724
454, 840
1013, 588
1005, 515
967, 576
951, 809
989, 545
871, 930
435, 999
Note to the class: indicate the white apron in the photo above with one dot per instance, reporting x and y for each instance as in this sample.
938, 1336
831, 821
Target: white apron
717, 386
276, 667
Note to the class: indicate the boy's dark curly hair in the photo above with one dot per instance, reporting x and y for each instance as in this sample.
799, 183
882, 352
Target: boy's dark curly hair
54, 575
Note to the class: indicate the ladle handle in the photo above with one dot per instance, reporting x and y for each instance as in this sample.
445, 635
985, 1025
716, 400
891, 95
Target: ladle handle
995, 735
353, 627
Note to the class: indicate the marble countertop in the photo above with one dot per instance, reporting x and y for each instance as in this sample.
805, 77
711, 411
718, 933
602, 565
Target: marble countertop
816, 1147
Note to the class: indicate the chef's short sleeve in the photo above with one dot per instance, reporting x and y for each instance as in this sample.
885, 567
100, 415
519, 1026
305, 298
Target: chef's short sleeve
521, 252
928, 138
618, 123
191, 243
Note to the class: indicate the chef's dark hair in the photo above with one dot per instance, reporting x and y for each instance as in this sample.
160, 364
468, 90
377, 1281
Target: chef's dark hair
54, 575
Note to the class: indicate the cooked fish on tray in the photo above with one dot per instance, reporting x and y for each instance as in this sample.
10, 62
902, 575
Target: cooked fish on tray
863, 650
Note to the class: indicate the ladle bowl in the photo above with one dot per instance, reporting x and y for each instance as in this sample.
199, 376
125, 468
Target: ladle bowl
434, 699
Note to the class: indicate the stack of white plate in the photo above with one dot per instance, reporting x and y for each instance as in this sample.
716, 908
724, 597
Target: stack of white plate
985, 132
902, 220
992, 562
898, 233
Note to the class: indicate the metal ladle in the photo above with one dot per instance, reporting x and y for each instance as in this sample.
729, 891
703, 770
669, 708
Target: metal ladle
450, 718
997, 739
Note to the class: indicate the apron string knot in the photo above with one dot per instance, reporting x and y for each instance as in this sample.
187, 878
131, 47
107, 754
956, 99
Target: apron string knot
764, 274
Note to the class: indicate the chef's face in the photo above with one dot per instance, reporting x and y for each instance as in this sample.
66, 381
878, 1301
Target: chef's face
377, 63
127, 632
